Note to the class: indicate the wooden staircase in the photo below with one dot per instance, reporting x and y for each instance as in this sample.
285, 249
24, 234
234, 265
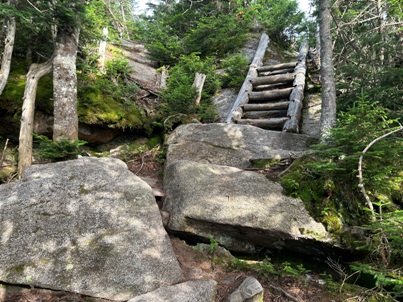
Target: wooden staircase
271, 96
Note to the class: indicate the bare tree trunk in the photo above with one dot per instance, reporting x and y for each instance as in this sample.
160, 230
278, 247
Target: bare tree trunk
35, 73
8, 51
236, 111
102, 49
199, 83
65, 84
328, 117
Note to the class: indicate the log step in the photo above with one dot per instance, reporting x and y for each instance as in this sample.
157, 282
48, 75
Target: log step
264, 114
269, 95
274, 72
265, 107
273, 79
278, 66
273, 123
272, 87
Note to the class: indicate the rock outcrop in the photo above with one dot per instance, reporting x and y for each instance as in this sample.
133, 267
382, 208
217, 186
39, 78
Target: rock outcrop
243, 210
233, 145
87, 226
191, 291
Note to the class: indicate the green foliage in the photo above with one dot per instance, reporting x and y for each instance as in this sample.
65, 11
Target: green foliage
384, 246
179, 95
12, 97
327, 180
184, 27
117, 69
57, 150
268, 268
235, 68
366, 56
280, 19
213, 245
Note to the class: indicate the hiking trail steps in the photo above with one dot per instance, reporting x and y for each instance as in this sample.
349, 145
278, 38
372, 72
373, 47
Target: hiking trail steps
271, 96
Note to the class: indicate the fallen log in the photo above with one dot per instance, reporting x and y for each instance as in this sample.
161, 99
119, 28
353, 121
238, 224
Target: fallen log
297, 94
278, 66
236, 111
269, 95
264, 114
273, 123
264, 107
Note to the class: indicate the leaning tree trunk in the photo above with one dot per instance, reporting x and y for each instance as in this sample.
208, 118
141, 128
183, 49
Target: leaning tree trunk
328, 117
8, 52
65, 84
35, 73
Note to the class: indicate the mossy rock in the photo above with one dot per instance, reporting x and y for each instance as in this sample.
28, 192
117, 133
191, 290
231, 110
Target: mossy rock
7, 172
264, 162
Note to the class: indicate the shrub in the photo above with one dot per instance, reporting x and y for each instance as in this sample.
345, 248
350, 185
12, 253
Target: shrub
179, 95
235, 68
327, 179
59, 150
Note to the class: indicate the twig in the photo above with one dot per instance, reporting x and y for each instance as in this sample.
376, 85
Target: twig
4, 153
360, 180
282, 291
142, 164
340, 270
287, 169
34, 7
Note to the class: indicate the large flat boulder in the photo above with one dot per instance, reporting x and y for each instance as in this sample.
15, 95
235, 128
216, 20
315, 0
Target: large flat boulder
87, 226
190, 291
233, 145
241, 209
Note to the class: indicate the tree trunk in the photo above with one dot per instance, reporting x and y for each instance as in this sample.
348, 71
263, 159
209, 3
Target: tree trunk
297, 94
65, 84
199, 83
102, 49
328, 117
236, 112
35, 73
8, 51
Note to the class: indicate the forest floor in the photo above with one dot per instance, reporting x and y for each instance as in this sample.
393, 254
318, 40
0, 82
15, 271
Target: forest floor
202, 264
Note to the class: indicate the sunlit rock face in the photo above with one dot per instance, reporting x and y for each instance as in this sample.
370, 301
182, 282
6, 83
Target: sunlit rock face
87, 226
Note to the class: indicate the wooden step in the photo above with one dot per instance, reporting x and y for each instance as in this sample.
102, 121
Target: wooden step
263, 96
272, 87
265, 107
278, 66
279, 71
273, 123
264, 114
274, 79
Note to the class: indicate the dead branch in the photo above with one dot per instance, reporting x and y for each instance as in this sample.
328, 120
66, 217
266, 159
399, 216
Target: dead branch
336, 266
360, 180
283, 292
4, 153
